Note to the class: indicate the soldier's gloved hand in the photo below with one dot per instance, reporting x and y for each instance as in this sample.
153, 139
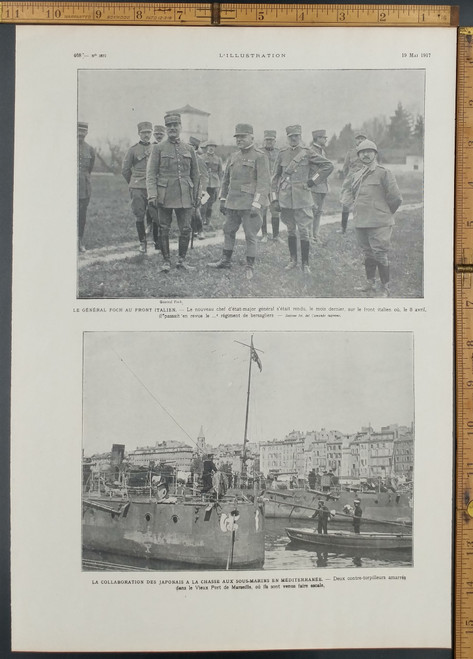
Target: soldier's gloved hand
153, 202
223, 210
255, 211
311, 183
275, 207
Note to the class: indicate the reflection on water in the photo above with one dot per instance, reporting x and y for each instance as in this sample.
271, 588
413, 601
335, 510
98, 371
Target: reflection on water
281, 554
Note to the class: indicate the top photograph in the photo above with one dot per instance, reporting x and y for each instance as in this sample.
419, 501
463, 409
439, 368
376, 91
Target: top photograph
250, 183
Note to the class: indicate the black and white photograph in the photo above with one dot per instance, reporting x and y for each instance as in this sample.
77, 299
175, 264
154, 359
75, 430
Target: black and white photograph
213, 183
231, 451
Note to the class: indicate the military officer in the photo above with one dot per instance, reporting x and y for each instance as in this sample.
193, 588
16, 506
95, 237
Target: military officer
375, 197
134, 173
159, 133
319, 191
271, 153
351, 164
215, 169
298, 169
196, 223
85, 164
245, 189
172, 181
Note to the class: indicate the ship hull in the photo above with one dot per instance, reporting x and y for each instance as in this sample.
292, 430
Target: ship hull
302, 504
344, 540
218, 536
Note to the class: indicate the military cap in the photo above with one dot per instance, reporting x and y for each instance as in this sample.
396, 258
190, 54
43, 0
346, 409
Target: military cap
366, 144
360, 133
293, 130
212, 142
145, 125
194, 141
83, 124
319, 133
356, 501
159, 129
172, 118
270, 134
242, 129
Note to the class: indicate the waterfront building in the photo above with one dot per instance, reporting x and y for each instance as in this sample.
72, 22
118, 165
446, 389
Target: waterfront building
178, 454
403, 456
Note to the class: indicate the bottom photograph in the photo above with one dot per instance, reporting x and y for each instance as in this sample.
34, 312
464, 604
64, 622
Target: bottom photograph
247, 451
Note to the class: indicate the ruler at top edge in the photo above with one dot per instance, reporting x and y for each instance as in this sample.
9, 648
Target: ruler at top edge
463, 630
135, 13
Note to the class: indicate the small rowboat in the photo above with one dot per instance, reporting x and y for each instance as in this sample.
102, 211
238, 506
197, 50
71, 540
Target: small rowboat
347, 540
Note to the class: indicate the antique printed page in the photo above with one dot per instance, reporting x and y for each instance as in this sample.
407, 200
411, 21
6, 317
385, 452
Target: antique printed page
232, 419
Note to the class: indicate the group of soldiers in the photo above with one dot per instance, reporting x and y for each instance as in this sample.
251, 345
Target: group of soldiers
170, 178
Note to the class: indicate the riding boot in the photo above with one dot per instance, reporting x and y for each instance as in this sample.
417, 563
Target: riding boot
225, 262
156, 236
250, 265
384, 276
345, 215
275, 225
165, 252
140, 228
370, 269
183, 245
292, 244
305, 247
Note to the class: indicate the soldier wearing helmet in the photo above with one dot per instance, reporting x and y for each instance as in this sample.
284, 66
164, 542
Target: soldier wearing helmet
375, 197
351, 164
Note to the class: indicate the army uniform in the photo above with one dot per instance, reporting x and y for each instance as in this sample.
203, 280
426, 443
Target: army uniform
245, 189
319, 191
196, 223
134, 173
375, 197
272, 156
351, 164
297, 169
172, 180
215, 170
85, 165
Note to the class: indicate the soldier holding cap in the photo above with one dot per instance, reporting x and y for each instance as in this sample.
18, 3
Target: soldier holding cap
159, 133
298, 168
244, 190
85, 164
375, 197
134, 173
196, 223
215, 170
351, 164
271, 153
172, 181
320, 189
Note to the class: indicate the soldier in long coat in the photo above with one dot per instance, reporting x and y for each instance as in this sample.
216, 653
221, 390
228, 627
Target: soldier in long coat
85, 165
271, 152
375, 197
245, 189
298, 169
172, 181
320, 189
196, 223
350, 165
134, 173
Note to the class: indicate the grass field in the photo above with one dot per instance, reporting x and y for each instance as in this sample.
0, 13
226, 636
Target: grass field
337, 266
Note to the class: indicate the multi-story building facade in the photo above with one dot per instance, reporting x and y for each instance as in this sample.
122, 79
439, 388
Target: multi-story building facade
177, 454
283, 456
403, 456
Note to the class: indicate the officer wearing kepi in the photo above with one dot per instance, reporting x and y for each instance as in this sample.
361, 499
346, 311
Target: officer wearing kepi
298, 169
134, 173
320, 189
85, 165
215, 170
159, 133
245, 189
375, 197
172, 181
271, 153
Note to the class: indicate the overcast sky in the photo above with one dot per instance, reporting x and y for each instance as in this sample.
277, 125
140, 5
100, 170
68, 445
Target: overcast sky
114, 101
310, 380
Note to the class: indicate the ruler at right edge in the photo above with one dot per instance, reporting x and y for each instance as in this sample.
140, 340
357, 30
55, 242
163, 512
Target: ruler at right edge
463, 630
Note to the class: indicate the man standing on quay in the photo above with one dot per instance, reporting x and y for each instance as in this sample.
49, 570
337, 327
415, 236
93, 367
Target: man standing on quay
375, 198
271, 153
85, 164
351, 164
172, 181
245, 189
298, 168
320, 189
134, 173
